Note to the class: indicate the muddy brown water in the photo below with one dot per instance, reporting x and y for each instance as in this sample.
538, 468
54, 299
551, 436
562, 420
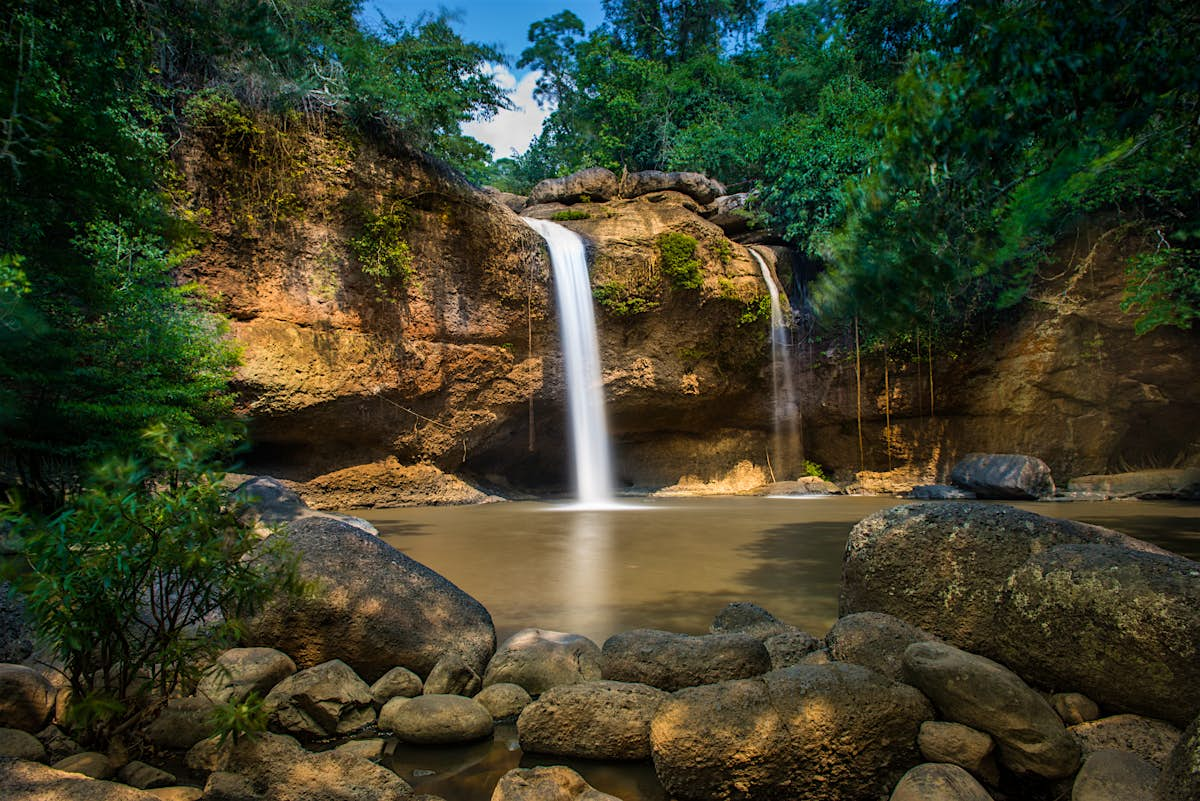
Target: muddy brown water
659, 563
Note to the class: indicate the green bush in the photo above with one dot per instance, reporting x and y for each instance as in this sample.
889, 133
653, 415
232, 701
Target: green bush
569, 214
679, 262
382, 251
140, 581
621, 301
815, 470
755, 310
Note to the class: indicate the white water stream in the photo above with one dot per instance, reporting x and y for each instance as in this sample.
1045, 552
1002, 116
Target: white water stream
787, 448
592, 461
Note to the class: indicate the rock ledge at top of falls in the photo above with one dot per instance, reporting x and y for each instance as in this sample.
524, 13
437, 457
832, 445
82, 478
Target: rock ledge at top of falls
597, 184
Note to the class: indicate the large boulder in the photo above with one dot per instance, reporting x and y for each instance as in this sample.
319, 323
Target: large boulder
436, 719
538, 659
1180, 779
1063, 604
26, 698
696, 185
596, 720
594, 183
672, 661
182, 723
1152, 740
29, 781
553, 783
977, 692
241, 671
1004, 476
939, 782
323, 701
270, 502
873, 640
374, 608
1115, 776
828, 732
19, 744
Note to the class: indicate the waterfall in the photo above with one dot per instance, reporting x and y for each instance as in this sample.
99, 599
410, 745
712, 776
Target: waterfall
787, 446
581, 360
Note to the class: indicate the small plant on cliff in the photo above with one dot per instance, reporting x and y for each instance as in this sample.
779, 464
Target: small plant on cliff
381, 248
141, 580
757, 309
569, 214
815, 470
679, 262
621, 301
723, 250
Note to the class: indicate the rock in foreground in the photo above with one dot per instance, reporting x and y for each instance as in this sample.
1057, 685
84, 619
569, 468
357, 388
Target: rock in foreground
596, 720
672, 661
538, 659
556, 783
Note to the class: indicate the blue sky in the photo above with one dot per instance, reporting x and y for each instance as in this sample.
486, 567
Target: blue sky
506, 25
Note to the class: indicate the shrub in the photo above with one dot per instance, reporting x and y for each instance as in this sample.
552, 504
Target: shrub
621, 301
569, 214
815, 470
382, 251
141, 580
679, 262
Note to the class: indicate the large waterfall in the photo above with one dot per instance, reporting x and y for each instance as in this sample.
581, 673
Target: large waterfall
787, 446
581, 358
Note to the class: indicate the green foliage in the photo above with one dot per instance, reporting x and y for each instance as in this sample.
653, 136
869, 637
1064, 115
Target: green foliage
141, 579
815, 470
239, 718
569, 214
723, 250
620, 300
679, 263
1164, 288
382, 251
756, 310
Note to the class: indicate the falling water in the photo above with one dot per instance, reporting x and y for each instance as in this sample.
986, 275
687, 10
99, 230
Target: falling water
787, 448
581, 358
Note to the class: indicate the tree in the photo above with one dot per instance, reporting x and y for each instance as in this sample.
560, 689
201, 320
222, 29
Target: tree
676, 30
552, 52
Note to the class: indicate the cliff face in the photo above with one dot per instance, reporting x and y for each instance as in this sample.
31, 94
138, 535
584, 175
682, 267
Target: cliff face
453, 361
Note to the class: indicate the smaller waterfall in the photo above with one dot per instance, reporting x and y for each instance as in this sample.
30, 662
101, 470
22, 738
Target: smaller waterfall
581, 360
787, 447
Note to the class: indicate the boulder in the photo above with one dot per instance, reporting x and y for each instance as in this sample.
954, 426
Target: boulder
1115, 776
938, 782
729, 212
26, 698
144, 777
596, 720
749, 618
940, 492
1143, 484
1003, 476
819, 733
1180, 779
436, 719
29, 781
673, 661
538, 659
57, 743
374, 608
452, 676
696, 185
396, 683
241, 671
371, 748
790, 649
504, 700
323, 701
16, 635
977, 692
92, 764
874, 640
19, 744
182, 723
1152, 740
1074, 708
594, 183
1118, 620
556, 783
942, 741
271, 502
224, 786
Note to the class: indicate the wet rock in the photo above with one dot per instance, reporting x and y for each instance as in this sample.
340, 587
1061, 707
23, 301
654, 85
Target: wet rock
241, 671
1074, 708
790, 649
696, 185
452, 676
556, 783
977, 692
144, 777
504, 700
937, 782
1003, 476
29, 781
941, 741
596, 720
594, 183
1062, 604
183, 723
1144, 484
1115, 776
749, 618
874, 640
1150, 739
436, 719
375, 608
323, 701
672, 661
90, 763
26, 698
819, 733
538, 659
1180, 779
940, 492
21, 745
396, 683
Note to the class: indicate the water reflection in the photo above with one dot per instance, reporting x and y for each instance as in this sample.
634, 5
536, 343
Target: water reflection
584, 596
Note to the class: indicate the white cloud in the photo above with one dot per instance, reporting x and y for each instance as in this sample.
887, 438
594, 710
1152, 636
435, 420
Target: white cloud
511, 130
